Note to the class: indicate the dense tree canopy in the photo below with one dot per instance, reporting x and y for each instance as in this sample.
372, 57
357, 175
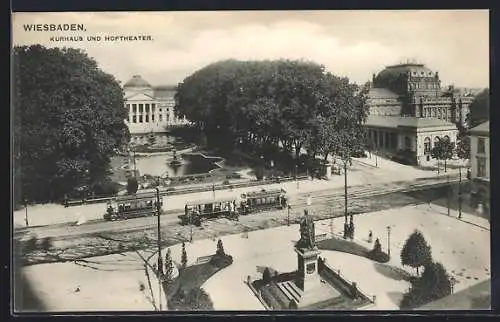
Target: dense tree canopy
293, 104
479, 109
68, 119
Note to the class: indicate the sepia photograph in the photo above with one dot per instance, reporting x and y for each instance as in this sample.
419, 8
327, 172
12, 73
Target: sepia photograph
250, 161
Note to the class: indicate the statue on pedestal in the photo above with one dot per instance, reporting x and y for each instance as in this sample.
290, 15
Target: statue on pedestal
307, 233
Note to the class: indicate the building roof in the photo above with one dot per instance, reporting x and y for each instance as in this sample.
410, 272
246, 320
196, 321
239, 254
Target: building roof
165, 90
402, 70
400, 121
379, 92
483, 128
136, 81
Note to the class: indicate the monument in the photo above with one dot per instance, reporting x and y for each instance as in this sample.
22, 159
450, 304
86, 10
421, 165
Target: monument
314, 285
308, 279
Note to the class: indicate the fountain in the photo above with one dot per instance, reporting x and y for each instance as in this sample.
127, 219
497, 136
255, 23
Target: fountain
175, 161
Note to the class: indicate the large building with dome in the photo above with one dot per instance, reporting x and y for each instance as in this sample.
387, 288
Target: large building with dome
150, 110
409, 111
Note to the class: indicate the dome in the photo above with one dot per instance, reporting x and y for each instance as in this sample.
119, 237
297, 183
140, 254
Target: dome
137, 81
403, 70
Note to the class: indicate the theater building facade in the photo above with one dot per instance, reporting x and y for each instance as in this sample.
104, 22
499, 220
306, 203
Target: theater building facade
150, 110
409, 111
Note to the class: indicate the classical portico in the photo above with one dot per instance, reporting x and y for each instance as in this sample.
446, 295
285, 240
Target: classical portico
150, 110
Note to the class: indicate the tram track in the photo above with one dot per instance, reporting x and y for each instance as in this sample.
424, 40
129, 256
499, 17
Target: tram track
328, 198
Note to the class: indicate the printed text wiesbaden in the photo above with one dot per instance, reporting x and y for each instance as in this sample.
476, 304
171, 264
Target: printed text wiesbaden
54, 27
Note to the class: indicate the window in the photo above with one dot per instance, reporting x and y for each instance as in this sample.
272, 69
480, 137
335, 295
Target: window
160, 117
140, 118
147, 107
134, 119
481, 167
152, 118
481, 145
147, 118
427, 145
128, 107
407, 142
134, 108
128, 118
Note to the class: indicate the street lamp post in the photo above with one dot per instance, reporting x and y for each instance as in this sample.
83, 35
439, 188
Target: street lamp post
376, 160
288, 218
389, 241
26, 213
158, 209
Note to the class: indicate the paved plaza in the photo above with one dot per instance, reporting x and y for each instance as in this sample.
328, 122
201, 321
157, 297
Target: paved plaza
463, 248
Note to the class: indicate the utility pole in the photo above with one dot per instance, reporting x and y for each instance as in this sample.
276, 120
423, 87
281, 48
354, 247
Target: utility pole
160, 268
345, 190
460, 192
389, 241
448, 193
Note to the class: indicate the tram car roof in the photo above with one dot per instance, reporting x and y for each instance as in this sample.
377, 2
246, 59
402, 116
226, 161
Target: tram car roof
263, 193
209, 201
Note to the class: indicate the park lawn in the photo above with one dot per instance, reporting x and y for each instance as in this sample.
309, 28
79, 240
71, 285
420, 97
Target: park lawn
191, 277
476, 297
344, 246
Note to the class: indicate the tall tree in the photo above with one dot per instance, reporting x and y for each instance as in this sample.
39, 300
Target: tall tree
184, 256
479, 109
443, 150
169, 266
416, 252
68, 119
220, 248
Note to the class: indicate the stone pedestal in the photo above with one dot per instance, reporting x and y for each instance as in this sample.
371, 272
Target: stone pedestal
307, 276
328, 171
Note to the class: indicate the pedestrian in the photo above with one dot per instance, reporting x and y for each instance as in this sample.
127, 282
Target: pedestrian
370, 236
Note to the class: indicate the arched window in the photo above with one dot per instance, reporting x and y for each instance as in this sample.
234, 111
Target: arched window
427, 145
446, 138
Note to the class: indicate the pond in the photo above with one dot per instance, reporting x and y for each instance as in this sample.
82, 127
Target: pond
160, 164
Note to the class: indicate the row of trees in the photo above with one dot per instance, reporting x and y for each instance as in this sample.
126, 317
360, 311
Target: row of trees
434, 283
271, 104
68, 119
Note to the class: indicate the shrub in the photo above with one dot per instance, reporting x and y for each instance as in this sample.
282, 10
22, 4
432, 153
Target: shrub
221, 261
220, 248
266, 276
416, 252
105, 188
46, 243
132, 185
380, 257
31, 244
184, 256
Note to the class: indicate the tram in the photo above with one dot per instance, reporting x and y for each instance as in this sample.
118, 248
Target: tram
263, 200
196, 212
132, 206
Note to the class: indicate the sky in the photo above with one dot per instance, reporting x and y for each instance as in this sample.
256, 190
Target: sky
354, 44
